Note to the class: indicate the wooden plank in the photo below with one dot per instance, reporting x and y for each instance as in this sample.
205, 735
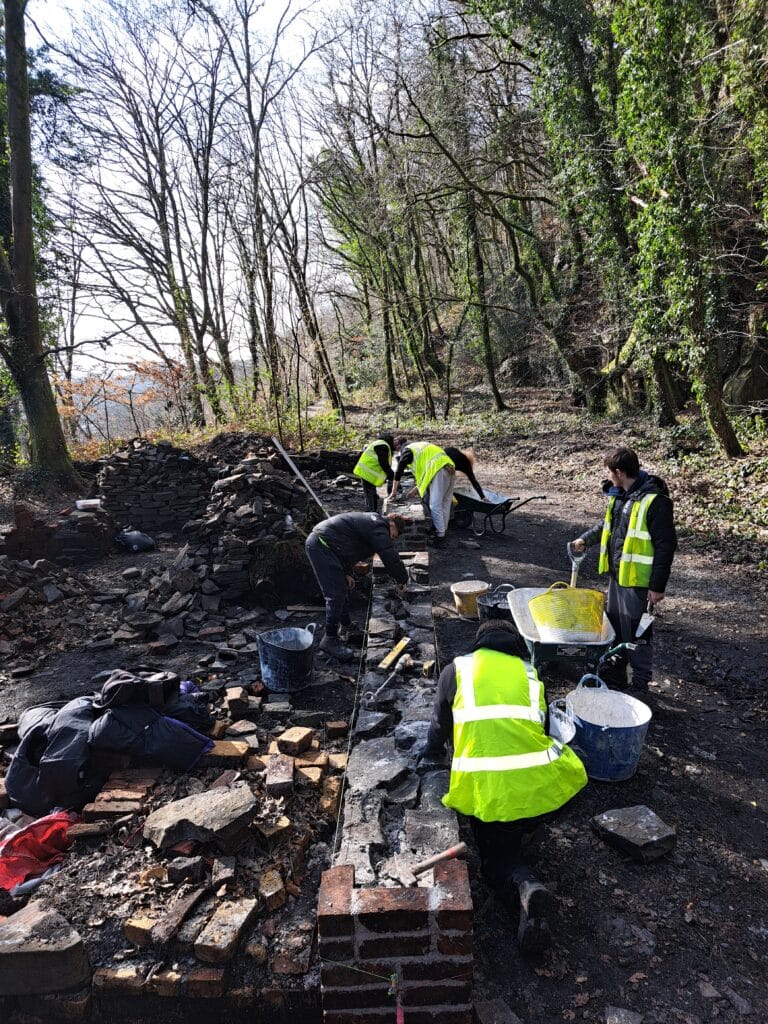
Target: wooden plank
395, 653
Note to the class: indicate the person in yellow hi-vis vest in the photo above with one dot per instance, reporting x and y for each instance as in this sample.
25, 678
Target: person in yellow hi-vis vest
374, 468
435, 475
507, 774
637, 544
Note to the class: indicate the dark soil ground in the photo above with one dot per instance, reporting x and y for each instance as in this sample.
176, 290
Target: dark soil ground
684, 939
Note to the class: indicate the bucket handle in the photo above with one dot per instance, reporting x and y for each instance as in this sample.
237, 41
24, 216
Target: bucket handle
586, 683
504, 588
311, 629
563, 705
560, 585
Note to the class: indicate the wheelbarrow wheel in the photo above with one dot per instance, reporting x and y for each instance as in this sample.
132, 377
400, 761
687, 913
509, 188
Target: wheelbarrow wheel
462, 518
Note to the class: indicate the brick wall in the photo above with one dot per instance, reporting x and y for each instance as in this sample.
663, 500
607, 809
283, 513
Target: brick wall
416, 942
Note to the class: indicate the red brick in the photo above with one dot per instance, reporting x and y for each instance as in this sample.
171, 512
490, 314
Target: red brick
166, 983
330, 801
427, 1016
447, 994
392, 910
452, 878
336, 976
356, 1017
364, 998
455, 920
295, 740
437, 970
218, 940
108, 795
224, 754
119, 979
395, 945
339, 950
110, 809
205, 982
334, 902
458, 944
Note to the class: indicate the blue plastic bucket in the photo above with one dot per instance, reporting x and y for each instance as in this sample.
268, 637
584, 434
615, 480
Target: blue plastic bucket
287, 658
610, 730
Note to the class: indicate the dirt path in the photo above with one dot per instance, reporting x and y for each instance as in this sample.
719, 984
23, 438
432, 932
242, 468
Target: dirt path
684, 939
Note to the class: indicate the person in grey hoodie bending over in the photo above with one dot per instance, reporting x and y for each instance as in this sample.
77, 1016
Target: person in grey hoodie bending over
637, 544
333, 547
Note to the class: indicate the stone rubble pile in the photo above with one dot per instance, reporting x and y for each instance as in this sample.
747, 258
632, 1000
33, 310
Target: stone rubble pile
71, 538
198, 885
153, 487
40, 601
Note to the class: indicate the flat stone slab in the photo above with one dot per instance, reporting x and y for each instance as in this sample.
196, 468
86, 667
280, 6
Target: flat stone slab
40, 953
219, 815
431, 831
375, 763
617, 1015
638, 831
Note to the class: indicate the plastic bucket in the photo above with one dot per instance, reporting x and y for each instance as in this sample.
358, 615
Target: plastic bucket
610, 730
287, 658
495, 605
466, 593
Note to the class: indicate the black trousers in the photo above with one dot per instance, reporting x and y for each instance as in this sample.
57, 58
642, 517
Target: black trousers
371, 497
332, 581
501, 845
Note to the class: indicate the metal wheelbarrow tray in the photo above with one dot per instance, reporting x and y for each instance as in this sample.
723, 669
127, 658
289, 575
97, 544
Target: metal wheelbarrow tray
586, 653
491, 513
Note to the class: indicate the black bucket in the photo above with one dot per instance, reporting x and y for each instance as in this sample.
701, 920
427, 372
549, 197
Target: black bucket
287, 658
494, 605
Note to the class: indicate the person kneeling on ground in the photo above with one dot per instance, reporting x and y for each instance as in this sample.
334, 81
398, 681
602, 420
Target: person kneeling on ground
507, 775
334, 547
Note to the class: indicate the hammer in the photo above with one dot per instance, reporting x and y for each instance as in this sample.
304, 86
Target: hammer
407, 873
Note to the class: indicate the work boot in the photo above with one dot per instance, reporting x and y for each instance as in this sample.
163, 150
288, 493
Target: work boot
536, 904
613, 672
437, 542
351, 635
334, 648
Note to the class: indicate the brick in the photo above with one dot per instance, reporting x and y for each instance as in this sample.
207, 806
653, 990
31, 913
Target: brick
223, 871
338, 762
225, 753
166, 983
338, 949
452, 877
118, 979
272, 890
295, 740
135, 778
218, 940
311, 777
454, 944
227, 778
40, 953
448, 993
457, 1015
138, 930
219, 728
312, 759
108, 796
293, 963
257, 950
256, 763
274, 831
5, 802
330, 799
167, 927
335, 730
187, 934
90, 830
437, 970
205, 983
352, 976
60, 1006
279, 781
392, 910
395, 945
334, 902
370, 996
110, 811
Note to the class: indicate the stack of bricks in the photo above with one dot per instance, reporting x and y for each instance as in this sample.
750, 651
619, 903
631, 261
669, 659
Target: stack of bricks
153, 487
380, 947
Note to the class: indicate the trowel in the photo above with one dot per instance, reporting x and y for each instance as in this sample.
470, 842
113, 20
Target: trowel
646, 621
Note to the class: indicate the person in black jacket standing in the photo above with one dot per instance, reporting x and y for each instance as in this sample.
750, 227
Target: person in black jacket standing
333, 547
637, 545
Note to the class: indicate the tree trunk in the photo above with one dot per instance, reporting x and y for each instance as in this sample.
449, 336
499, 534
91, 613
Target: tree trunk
482, 300
23, 351
663, 393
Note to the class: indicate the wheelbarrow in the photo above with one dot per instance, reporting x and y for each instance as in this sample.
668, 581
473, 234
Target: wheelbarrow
471, 511
585, 653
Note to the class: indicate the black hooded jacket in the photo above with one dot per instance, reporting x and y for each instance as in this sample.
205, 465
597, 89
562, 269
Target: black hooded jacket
661, 526
441, 723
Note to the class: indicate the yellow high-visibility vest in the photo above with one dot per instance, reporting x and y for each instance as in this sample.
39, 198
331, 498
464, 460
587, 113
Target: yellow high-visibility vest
504, 766
636, 559
368, 466
428, 459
